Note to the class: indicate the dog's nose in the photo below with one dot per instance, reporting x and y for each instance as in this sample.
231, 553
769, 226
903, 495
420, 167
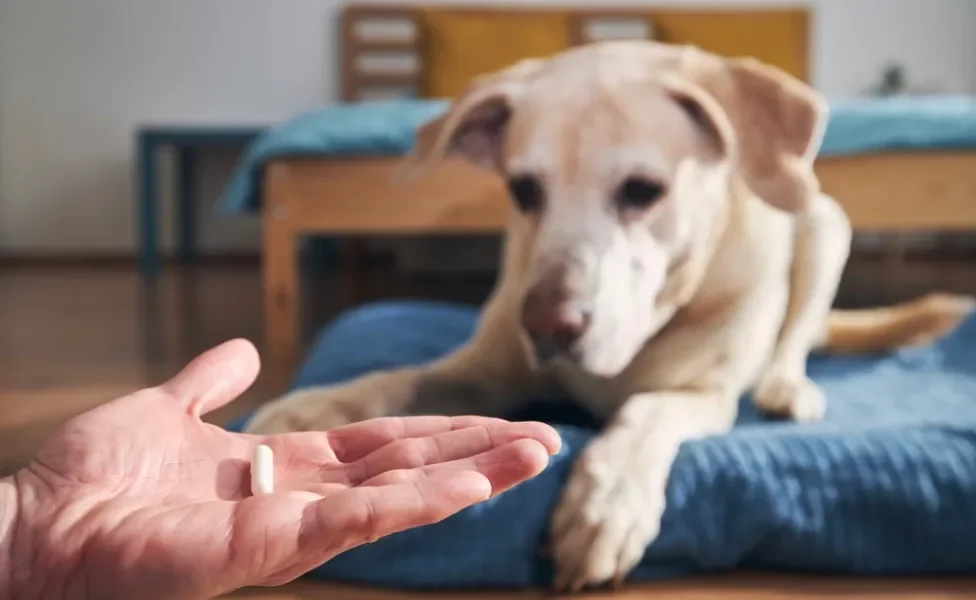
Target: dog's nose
568, 325
553, 327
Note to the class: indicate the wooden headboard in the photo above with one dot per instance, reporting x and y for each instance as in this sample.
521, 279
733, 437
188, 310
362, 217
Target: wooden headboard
381, 45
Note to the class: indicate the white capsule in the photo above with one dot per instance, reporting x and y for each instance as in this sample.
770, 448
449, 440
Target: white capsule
262, 471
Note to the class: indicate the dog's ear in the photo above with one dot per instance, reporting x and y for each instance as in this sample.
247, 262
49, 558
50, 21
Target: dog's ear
770, 123
474, 126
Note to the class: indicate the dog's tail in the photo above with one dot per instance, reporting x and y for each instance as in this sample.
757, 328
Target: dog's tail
911, 323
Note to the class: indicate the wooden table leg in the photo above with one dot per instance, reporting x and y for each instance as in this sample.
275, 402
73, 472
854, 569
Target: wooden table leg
353, 258
147, 209
186, 205
280, 273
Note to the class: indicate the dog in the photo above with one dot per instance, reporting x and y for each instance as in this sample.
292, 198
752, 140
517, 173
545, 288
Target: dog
669, 249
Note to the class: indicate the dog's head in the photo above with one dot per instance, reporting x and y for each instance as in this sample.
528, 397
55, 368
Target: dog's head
618, 157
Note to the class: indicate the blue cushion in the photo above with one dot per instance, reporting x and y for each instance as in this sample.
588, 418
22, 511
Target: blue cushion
918, 123
378, 128
886, 484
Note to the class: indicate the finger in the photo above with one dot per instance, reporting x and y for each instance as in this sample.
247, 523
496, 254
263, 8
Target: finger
504, 467
341, 521
216, 377
445, 447
352, 442
303, 462
366, 514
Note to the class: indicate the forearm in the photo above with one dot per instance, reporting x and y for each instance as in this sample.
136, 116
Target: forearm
8, 521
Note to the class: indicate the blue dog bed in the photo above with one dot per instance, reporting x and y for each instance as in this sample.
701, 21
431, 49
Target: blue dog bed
886, 484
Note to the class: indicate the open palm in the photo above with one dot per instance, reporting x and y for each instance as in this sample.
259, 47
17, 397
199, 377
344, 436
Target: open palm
139, 498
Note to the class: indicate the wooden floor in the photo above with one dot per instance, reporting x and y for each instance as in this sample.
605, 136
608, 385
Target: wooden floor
71, 338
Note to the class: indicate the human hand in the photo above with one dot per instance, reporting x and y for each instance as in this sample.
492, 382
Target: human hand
139, 498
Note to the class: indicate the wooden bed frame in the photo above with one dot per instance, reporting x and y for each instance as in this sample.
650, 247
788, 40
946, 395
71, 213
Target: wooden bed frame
355, 198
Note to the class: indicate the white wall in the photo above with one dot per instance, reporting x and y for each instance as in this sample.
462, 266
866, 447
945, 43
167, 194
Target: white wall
77, 76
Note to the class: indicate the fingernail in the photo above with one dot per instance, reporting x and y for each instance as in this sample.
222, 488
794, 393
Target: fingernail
555, 442
558, 446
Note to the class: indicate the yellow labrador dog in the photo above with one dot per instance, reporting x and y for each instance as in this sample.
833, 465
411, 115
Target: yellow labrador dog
669, 250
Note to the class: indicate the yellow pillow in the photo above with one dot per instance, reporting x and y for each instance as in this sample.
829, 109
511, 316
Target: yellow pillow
460, 44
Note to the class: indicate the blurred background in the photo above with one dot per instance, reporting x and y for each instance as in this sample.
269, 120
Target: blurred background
152, 203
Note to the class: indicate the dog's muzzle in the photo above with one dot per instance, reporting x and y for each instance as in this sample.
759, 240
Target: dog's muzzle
554, 321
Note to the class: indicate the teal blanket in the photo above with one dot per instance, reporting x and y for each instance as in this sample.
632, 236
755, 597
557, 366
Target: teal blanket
386, 128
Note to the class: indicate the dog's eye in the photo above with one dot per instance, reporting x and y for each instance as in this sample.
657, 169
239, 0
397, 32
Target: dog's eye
639, 193
527, 193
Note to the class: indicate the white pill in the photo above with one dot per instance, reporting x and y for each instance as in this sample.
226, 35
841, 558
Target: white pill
262, 471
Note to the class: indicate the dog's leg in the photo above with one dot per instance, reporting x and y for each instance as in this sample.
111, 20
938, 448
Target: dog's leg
479, 378
611, 509
321, 408
822, 246
686, 385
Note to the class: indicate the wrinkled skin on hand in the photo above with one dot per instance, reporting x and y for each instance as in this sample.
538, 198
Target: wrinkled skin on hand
139, 498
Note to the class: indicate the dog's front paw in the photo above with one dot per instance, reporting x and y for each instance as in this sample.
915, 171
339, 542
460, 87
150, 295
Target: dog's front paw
314, 409
609, 513
791, 396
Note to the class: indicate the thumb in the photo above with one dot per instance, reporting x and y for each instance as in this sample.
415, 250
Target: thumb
216, 377
356, 516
